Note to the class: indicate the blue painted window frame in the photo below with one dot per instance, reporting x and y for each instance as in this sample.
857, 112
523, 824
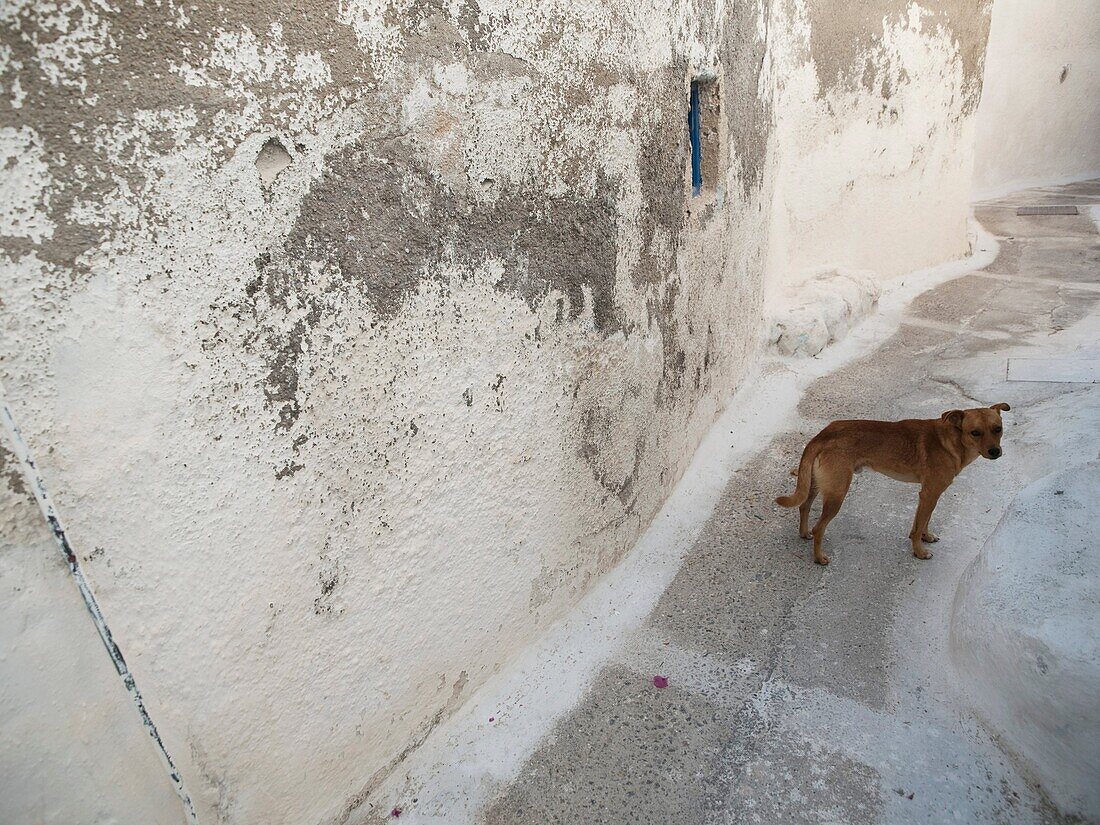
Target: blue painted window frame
694, 133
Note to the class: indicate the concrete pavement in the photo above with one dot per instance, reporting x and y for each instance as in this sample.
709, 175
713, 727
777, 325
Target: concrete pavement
806, 694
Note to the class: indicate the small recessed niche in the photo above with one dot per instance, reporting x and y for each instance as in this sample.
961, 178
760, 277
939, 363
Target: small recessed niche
704, 110
272, 159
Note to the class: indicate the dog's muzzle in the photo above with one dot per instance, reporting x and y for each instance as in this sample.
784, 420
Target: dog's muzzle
994, 452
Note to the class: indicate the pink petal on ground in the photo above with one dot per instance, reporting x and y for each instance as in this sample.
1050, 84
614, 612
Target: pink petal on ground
660, 682
491, 718
396, 812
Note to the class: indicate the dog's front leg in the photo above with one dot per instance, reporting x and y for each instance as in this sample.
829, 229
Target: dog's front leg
929, 495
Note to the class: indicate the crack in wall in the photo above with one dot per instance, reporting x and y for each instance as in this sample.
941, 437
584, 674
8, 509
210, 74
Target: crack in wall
33, 480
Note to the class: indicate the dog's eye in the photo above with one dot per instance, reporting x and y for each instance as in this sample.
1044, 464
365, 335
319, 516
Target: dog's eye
976, 433
996, 429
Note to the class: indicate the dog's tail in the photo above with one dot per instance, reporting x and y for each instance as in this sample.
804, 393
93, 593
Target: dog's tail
805, 477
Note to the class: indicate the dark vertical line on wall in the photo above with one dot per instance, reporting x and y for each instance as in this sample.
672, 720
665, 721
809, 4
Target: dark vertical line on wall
34, 482
695, 133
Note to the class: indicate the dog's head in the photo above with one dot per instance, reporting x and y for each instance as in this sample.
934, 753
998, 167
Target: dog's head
981, 428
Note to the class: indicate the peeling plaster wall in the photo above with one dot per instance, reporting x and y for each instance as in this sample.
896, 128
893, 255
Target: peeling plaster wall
1039, 118
874, 107
356, 340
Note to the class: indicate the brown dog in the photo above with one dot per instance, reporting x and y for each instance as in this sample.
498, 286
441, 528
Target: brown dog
926, 452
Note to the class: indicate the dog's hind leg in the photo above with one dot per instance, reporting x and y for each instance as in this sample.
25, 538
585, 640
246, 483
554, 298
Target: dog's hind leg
804, 512
834, 486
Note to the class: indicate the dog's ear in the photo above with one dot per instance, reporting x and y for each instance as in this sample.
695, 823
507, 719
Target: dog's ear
1002, 406
953, 417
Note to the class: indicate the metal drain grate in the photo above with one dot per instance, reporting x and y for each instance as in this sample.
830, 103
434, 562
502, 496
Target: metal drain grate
1047, 210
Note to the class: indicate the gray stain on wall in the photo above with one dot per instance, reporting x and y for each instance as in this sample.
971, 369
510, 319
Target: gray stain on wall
10, 472
846, 40
135, 73
384, 222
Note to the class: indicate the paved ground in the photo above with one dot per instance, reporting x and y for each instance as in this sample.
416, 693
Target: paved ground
806, 694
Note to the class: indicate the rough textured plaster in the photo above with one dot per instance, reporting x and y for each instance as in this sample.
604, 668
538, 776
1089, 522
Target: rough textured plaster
275, 280
357, 340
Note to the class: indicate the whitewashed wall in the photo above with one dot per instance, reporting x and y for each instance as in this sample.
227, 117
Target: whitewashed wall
1039, 118
355, 341
874, 136
71, 746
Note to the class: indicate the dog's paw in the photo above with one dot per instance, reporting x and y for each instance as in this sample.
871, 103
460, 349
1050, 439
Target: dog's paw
822, 559
923, 555
806, 535
931, 538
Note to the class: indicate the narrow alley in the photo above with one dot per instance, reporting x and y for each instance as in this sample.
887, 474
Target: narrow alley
395, 396
829, 692
810, 694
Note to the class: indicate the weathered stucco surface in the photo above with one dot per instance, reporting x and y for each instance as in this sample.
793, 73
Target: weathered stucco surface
355, 340
874, 135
